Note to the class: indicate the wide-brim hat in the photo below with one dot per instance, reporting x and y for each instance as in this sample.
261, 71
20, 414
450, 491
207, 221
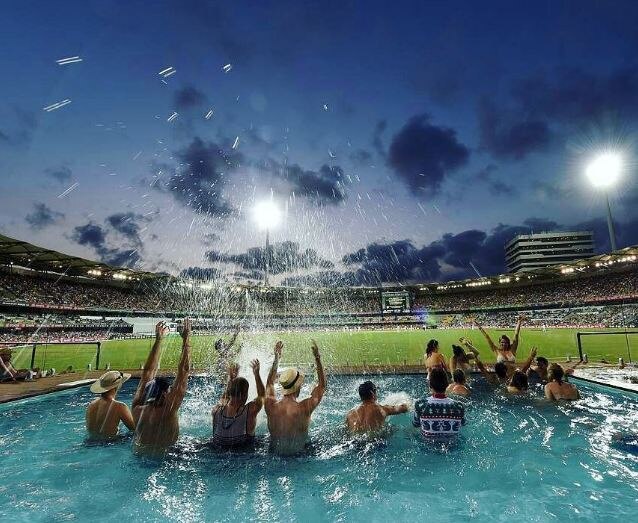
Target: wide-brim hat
291, 381
109, 380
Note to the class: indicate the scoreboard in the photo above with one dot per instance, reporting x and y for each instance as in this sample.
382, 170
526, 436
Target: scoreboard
395, 301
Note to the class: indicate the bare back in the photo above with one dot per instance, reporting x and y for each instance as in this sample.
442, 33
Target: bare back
103, 418
157, 428
367, 417
561, 391
288, 423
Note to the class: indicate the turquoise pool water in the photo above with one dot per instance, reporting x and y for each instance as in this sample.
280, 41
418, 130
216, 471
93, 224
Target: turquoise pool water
518, 460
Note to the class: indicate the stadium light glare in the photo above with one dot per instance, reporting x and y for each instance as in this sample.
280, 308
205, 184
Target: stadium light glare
604, 170
267, 214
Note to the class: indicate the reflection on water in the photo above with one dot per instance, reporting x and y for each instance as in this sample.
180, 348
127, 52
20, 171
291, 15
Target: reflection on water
517, 457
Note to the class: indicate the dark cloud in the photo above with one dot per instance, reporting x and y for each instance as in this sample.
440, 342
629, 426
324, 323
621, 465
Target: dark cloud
282, 257
544, 108
61, 174
200, 178
422, 154
95, 236
127, 224
322, 279
377, 135
399, 261
361, 157
201, 273
505, 135
495, 185
187, 98
42, 216
210, 238
20, 129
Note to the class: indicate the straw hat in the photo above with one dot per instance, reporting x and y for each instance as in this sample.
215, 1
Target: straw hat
291, 381
109, 380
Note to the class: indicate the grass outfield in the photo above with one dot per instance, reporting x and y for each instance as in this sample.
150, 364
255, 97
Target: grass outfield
338, 348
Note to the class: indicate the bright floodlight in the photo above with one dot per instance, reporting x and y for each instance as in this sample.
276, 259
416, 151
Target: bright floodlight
267, 214
604, 171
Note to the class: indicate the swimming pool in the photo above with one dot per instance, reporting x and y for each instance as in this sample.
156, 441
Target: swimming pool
518, 458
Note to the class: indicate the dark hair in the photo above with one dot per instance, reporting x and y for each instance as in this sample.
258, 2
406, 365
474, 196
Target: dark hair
438, 380
506, 338
556, 373
238, 388
156, 388
458, 376
459, 354
367, 390
500, 369
541, 360
519, 380
431, 347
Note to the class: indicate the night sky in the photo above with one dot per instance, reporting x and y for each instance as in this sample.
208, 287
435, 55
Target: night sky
404, 141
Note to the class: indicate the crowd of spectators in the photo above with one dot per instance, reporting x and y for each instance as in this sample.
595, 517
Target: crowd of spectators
216, 300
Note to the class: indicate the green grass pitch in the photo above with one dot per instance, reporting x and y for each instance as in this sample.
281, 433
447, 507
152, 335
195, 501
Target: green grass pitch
390, 347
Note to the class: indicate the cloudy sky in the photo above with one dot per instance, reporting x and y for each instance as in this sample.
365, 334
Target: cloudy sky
403, 141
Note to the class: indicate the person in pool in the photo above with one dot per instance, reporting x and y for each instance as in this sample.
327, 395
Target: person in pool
234, 420
104, 414
538, 373
458, 386
461, 360
225, 352
518, 383
557, 388
506, 350
438, 416
157, 401
288, 418
433, 358
370, 416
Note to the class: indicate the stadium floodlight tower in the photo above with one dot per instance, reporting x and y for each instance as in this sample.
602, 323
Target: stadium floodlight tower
267, 216
603, 173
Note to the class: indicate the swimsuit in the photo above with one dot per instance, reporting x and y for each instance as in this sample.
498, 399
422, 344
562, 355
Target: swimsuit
501, 358
231, 431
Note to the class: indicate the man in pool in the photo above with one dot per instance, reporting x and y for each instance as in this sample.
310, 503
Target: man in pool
234, 420
104, 414
226, 353
439, 417
288, 418
370, 416
157, 401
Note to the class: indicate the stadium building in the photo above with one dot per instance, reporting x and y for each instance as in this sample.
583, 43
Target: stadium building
535, 251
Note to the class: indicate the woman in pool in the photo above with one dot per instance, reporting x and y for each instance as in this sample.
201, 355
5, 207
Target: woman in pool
506, 350
557, 389
461, 360
433, 358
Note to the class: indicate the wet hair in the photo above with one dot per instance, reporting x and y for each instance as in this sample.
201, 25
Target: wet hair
219, 345
438, 380
238, 388
458, 376
458, 354
431, 347
367, 390
506, 338
556, 373
519, 380
541, 360
500, 369
156, 388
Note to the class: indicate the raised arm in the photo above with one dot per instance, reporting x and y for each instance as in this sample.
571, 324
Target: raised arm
316, 396
176, 393
391, 410
521, 319
270, 382
487, 336
529, 360
233, 372
257, 403
150, 367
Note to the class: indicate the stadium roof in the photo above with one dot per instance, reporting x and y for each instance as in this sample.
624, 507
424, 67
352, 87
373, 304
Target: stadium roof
24, 254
